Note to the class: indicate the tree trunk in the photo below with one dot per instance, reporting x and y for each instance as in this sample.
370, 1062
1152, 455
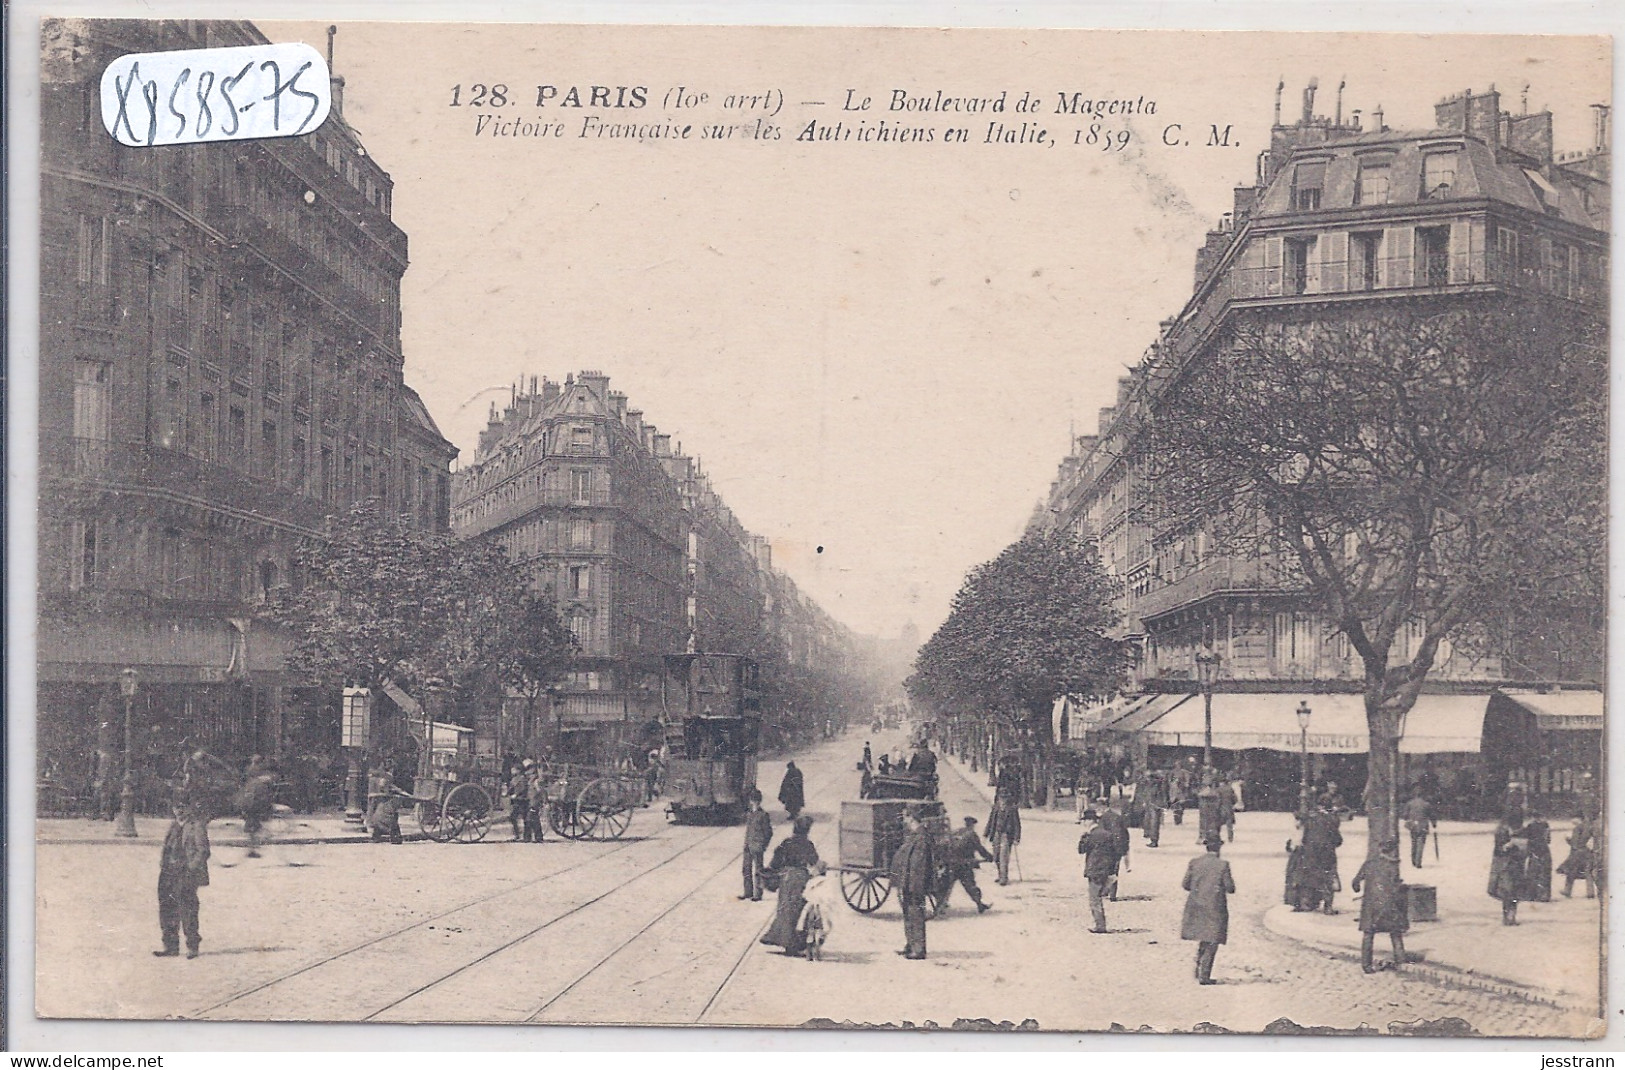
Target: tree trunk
1382, 773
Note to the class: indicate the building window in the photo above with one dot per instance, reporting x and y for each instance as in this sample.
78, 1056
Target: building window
299, 465
1299, 253
580, 533
172, 423
1433, 256
1373, 185
581, 628
236, 437
82, 560
581, 439
326, 474
269, 454
1363, 260
580, 581
92, 401
1438, 174
208, 419
581, 484
1308, 179
1507, 252
267, 578
92, 251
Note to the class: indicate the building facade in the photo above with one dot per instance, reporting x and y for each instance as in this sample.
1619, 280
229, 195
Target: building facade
220, 368
640, 554
1341, 221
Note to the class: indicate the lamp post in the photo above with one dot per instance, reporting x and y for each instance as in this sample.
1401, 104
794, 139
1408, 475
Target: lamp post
1304, 713
127, 681
1207, 670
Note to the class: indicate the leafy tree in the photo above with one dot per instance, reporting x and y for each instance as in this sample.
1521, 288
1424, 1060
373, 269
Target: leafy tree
1437, 472
1025, 628
382, 601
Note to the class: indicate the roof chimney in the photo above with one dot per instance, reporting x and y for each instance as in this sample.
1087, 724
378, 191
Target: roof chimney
1600, 113
1279, 86
333, 76
1309, 100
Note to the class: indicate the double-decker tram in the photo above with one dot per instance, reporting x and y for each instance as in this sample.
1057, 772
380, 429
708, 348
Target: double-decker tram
713, 726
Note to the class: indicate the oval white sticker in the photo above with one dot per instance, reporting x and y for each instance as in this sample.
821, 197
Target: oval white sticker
215, 94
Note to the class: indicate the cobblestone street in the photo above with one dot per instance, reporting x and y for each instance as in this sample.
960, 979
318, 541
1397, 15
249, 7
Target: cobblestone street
648, 930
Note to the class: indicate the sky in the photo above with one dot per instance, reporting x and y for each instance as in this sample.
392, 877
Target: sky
879, 351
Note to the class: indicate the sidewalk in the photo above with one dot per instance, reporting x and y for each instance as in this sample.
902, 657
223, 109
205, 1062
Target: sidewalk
1552, 955
324, 827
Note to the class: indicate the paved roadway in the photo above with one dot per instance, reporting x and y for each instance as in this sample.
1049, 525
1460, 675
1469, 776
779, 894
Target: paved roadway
648, 930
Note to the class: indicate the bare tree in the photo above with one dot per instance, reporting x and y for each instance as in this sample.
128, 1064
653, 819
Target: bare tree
1436, 472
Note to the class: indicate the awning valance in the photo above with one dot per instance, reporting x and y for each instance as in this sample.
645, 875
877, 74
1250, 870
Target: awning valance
1437, 724
1562, 711
1147, 712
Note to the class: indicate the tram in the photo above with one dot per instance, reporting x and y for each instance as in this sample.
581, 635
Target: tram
713, 726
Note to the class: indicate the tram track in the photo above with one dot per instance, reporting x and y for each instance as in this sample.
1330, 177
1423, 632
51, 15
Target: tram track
396, 944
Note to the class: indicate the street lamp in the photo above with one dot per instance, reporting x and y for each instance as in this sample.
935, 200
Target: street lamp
1304, 713
1207, 670
127, 680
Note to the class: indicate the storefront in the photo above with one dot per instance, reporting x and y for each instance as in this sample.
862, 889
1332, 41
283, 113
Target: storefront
1550, 742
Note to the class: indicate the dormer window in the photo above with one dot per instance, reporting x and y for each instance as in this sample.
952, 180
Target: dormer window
1373, 185
1438, 175
1308, 180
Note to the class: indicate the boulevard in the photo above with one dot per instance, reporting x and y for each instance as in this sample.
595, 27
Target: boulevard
648, 930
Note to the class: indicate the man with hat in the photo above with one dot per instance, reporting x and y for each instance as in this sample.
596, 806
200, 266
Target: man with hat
1384, 909
965, 852
912, 870
520, 815
1116, 826
1207, 908
758, 834
1099, 848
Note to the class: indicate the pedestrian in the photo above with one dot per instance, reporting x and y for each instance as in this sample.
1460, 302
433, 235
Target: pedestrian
923, 762
519, 810
868, 757
1333, 802
1207, 910
1538, 870
758, 834
1112, 820
183, 868
791, 792
256, 800
1099, 848
383, 807
1151, 796
913, 869
1004, 829
1580, 865
1419, 823
885, 765
1179, 791
537, 802
791, 867
966, 851
1318, 882
1227, 809
1384, 908
652, 775
1507, 865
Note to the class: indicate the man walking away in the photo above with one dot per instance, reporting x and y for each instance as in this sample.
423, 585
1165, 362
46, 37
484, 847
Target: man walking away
966, 852
1151, 797
1004, 829
912, 870
758, 834
1116, 825
1507, 865
1580, 865
519, 801
791, 792
1099, 848
1207, 910
183, 868
1418, 822
258, 796
1384, 909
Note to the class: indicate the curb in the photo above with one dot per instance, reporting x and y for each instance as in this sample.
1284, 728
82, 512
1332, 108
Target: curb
1438, 972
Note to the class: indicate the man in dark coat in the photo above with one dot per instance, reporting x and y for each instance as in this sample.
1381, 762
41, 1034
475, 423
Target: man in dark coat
1180, 782
758, 834
1116, 826
913, 869
1099, 848
1208, 808
1419, 822
258, 796
1384, 909
1507, 865
1538, 870
923, 761
519, 810
965, 852
1317, 879
1207, 910
1580, 865
790, 791
183, 868
1004, 829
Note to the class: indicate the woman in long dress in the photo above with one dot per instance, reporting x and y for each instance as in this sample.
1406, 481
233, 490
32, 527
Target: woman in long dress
1507, 866
792, 863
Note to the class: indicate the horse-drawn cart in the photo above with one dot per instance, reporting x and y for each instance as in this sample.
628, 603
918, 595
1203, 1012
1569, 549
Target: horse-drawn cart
871, 830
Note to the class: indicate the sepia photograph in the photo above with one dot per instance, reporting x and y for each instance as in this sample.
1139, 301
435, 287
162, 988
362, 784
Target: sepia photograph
835, 528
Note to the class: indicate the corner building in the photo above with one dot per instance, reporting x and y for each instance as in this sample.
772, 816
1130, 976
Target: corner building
1340, 221
220, 368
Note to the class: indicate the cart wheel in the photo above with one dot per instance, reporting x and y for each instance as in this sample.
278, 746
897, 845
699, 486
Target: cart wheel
569, 821
469, 807
865, 892
603, 804
428, 815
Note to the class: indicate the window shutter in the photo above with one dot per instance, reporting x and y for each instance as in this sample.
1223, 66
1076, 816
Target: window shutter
1400, 247
1272, 266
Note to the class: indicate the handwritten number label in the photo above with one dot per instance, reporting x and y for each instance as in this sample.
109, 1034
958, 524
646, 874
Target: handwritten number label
215, 94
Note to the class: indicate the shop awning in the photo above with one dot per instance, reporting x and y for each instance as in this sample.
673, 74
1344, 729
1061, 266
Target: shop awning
1147, 712
1083, 721
1438, 724
1562, 711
